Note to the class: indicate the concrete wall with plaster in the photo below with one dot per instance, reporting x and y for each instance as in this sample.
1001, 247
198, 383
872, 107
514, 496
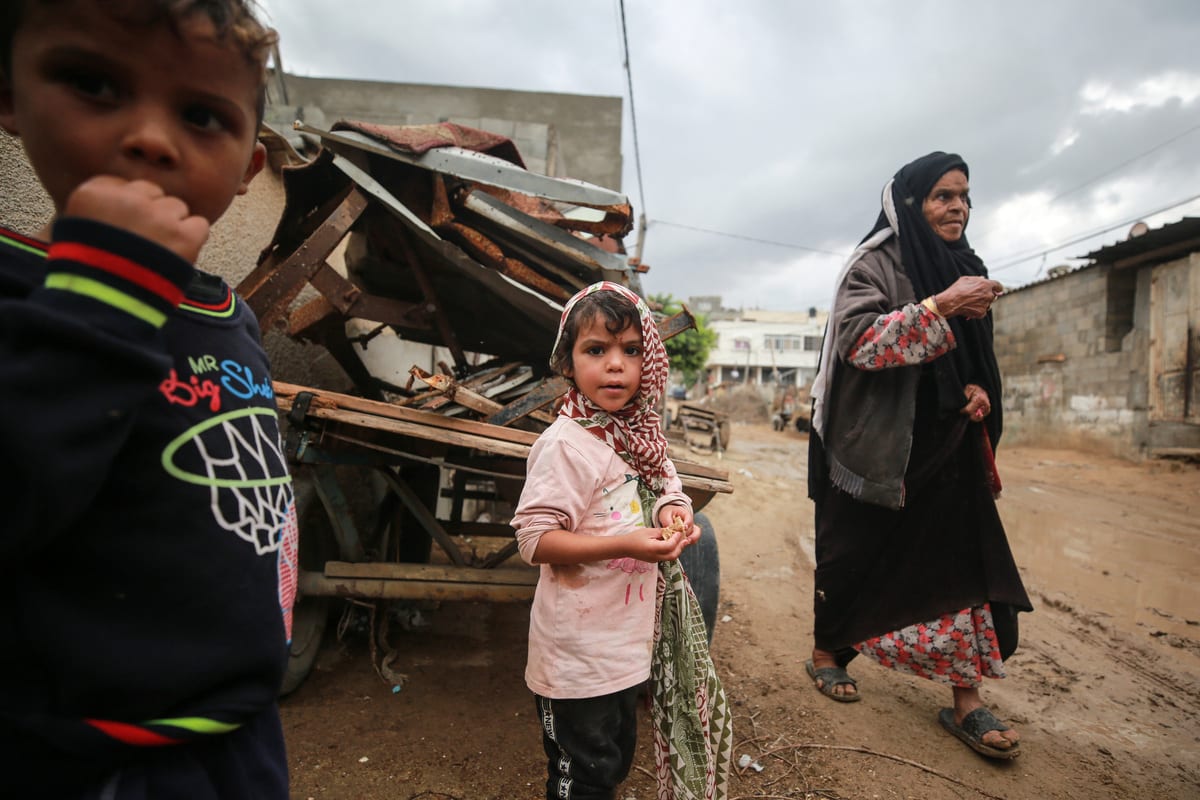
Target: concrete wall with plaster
231, 252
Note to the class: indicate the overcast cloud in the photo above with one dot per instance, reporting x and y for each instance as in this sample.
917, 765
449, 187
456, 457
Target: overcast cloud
781, 121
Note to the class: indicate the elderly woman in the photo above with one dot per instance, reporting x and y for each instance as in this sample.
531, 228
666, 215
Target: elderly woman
913, 567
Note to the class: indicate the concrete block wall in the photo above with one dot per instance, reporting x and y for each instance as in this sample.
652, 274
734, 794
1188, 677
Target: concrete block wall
565, 135
1065, 383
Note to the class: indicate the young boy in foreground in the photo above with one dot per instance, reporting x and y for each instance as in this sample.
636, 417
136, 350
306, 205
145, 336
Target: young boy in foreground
148, 533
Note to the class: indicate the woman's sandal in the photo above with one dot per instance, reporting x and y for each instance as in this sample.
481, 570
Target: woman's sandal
830, 677
972, 729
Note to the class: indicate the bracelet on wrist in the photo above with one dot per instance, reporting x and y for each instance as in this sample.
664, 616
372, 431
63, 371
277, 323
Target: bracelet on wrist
931, 304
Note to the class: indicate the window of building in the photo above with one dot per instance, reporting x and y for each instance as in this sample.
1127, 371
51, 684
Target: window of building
812, 344
741, 343
781, 343
1121, 296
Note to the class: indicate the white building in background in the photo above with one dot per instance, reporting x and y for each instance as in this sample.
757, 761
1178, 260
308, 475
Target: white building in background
764, 348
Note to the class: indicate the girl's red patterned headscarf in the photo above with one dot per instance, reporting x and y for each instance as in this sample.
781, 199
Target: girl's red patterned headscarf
635, 432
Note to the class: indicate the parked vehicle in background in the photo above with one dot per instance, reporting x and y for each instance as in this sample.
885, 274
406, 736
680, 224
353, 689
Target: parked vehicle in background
791, 405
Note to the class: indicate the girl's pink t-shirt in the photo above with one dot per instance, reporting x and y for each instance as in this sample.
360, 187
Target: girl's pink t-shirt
591, 627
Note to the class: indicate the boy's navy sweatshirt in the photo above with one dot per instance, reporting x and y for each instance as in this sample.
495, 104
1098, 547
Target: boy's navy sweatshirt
147, 522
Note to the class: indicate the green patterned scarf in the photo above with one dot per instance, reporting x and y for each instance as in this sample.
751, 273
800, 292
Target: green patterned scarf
693, 723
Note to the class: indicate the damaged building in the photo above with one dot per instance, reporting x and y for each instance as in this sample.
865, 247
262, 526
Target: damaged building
1107, 356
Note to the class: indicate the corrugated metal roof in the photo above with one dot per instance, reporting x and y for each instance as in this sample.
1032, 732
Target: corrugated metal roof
1153, 247
1160, 244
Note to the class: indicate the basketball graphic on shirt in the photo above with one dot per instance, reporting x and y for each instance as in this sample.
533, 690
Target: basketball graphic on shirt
237, 455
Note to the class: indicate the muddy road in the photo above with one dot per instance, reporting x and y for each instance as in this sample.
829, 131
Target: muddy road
1105, 687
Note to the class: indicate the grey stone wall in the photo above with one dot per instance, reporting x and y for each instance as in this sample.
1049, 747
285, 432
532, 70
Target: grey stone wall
563, 135
1072, 354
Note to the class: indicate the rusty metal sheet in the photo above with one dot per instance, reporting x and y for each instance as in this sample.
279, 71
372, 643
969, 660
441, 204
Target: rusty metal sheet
543, 237
491, 312
479, 168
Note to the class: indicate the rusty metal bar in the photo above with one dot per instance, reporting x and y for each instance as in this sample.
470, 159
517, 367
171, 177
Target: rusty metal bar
432, 304
270, 298
673, 326
487, 252
352, 301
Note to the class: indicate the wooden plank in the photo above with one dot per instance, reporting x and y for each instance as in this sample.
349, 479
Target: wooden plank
505, 441
314, 584
286, 392
432, 433
431, 572
466, 397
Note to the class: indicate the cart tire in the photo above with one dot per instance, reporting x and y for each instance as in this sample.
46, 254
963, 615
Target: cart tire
309, 618
702, 566
310, 615
801, 424
724, 430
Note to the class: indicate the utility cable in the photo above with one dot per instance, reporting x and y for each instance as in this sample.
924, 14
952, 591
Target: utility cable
1126, 163
748, 238
1084, 237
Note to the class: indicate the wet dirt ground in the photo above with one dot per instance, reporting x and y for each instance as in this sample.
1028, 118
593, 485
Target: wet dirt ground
1105, 688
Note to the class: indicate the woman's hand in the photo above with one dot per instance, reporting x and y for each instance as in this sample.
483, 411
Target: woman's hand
978, 404
970, 296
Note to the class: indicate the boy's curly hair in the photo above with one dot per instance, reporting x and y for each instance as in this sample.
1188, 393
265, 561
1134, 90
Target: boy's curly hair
618, 314
234, 20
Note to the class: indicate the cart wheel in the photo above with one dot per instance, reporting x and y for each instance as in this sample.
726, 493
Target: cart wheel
702, 566
724, 430
310, 614
801, 424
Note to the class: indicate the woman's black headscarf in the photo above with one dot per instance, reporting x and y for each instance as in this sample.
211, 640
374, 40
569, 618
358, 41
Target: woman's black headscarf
932, 264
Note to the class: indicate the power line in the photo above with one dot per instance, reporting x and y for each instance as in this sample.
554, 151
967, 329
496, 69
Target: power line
1084, 237
637, 154
1126, 163
747, 238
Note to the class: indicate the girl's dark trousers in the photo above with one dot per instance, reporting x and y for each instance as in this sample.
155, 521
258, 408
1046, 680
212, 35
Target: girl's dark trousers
589, 743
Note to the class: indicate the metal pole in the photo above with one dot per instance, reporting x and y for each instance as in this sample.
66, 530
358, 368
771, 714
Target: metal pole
641, 239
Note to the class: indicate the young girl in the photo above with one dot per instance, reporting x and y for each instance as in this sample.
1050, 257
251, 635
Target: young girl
589, 477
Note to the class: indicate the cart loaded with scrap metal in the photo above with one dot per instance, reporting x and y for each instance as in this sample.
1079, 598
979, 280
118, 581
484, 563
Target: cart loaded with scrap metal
435, 236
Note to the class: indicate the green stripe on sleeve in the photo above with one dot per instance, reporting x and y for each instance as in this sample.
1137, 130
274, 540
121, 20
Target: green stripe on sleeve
196, 724
106, 294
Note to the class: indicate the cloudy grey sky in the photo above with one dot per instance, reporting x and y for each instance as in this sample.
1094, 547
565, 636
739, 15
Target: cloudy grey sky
775, 124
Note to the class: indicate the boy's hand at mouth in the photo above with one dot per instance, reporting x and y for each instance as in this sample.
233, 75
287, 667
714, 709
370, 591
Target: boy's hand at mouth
142, 208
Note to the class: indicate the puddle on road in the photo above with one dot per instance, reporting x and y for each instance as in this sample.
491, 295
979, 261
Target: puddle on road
1140, 576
